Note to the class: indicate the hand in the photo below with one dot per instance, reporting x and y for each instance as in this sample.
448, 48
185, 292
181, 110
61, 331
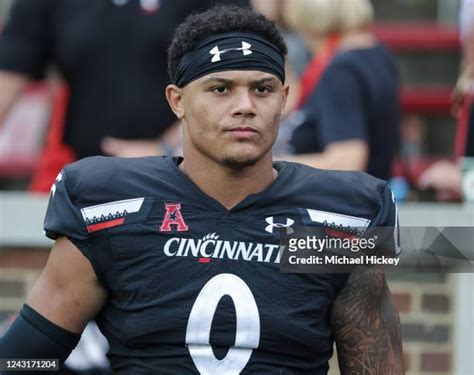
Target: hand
445, 177
126, 148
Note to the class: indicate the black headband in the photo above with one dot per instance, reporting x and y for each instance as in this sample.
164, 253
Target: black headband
229, 51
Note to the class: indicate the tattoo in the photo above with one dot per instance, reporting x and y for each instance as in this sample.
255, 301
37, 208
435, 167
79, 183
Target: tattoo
366, 326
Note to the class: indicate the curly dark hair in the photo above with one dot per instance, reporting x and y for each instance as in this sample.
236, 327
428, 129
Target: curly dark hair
216, 20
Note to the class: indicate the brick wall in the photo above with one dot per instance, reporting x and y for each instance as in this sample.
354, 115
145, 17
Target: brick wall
425, 303
19, 268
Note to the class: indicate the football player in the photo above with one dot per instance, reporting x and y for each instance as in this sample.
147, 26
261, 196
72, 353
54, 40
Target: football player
177, 259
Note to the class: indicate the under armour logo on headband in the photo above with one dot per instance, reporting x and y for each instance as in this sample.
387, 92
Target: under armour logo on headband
250, 52
217, 53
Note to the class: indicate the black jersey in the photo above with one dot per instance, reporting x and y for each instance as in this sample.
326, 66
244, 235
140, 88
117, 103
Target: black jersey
195, 288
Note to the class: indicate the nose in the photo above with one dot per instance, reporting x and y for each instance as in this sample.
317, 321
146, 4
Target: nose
243, 105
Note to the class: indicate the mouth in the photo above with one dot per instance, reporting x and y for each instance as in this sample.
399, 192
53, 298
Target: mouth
243, 132
243, 129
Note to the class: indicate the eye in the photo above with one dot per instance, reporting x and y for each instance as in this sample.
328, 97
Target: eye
220, 90
263, 89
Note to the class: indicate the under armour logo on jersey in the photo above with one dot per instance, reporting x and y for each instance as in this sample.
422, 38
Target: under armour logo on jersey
173, 217
53, 188
216, 52
272, 224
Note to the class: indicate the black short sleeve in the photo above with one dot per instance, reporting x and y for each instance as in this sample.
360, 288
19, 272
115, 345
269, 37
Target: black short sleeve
342, 111
25, 43
385, 223
64, 218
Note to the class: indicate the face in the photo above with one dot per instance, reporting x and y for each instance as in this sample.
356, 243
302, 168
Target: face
230, 117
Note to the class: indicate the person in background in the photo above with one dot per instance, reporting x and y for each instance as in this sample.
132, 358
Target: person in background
112, 56
444, 176
298, 53
349, 112
314, 23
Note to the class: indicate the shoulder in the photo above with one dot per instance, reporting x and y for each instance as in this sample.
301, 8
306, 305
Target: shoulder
100, 178
345, 69
344, 61
21, 7
358, 60
342, 181
346, 192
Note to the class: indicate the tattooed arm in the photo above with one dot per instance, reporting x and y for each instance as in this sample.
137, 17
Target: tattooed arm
366, 326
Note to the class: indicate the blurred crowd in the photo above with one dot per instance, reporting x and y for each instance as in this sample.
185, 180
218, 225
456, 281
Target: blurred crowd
445, 176
105, 64
108, 61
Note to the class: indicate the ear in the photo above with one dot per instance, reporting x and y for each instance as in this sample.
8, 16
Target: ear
174, 95
285, 92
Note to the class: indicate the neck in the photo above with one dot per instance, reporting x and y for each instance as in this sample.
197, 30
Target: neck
316, 43
358, 39
228, 185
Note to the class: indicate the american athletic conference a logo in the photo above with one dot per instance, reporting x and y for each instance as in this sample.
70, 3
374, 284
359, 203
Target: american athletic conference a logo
173, 217
216, 52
